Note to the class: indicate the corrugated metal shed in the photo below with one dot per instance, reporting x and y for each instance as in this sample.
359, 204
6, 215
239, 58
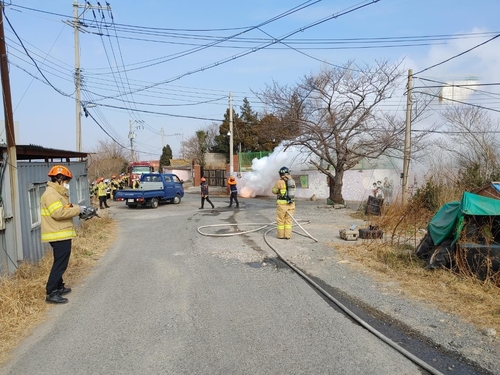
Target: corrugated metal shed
33, 165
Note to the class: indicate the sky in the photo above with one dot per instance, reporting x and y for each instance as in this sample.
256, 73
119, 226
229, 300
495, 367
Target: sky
162, 67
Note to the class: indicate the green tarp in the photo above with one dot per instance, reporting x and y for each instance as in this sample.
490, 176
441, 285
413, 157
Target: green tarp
448, 221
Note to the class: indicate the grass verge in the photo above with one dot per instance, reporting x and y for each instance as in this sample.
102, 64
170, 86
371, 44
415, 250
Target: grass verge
393, 259
22, 295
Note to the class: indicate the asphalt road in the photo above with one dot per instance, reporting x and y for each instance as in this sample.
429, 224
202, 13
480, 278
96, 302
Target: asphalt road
168, 300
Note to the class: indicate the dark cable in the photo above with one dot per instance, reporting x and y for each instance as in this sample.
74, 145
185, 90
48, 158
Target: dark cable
28, 54
460, 54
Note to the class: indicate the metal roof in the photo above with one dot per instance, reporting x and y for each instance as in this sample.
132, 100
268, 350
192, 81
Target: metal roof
34, 152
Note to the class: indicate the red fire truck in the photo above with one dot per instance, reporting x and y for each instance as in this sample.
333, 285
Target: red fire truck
136, 168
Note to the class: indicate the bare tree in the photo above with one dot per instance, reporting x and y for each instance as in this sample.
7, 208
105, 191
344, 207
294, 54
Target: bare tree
107, 159
472, 139
196, 146
212, 131
336, 112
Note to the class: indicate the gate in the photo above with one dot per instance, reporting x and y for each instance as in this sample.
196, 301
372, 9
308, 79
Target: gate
215, 177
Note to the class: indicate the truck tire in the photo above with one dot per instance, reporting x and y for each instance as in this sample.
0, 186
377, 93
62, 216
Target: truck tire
177, 199
154, 203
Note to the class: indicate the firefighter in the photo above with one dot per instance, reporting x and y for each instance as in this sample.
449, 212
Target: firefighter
114, 185
285, 203
233, 189
102, 193
57, 229
122, 181
204, 193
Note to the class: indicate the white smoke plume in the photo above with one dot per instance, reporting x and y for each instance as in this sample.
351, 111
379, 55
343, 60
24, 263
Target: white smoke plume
265, 171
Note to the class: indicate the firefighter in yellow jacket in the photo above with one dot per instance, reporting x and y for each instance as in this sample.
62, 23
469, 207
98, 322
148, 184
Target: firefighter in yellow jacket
58, 229
284, 188
114, 185
102, 193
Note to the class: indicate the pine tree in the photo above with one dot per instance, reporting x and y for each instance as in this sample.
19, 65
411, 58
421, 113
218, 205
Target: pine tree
166, 155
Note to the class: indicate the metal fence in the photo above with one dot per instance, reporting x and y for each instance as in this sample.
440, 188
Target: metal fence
245, 158
215, 177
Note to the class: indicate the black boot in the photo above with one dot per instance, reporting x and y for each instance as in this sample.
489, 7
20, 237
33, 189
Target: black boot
63, 290
200, 208
55, 297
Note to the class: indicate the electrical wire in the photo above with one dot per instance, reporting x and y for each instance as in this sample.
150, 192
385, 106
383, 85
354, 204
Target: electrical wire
253, 50
458, 55
28, 54
459, 101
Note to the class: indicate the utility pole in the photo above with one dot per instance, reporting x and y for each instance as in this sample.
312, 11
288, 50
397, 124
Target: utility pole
406, 155
131, 136
231, 159
78, 103
12, 218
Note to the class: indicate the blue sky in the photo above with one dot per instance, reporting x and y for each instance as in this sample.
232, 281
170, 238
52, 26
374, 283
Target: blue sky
190, 80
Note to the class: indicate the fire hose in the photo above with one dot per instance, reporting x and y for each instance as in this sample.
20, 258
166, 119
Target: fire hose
348, 312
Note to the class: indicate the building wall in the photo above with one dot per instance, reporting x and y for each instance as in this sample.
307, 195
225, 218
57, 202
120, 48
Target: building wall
357, 184
215, 160
183, 174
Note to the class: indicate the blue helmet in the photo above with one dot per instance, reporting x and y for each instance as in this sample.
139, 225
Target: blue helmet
283, 171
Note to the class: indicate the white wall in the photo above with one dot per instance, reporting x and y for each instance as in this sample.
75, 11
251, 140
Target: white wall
357, 184
183, 174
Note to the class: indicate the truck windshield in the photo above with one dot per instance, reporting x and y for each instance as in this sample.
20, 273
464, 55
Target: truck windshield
140, 170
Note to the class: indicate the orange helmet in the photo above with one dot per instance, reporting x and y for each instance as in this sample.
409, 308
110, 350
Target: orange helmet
232, 181
101, 179
60, 169
114, 176
203, 179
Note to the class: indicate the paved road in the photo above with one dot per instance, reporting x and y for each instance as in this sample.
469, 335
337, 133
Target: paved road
167, 300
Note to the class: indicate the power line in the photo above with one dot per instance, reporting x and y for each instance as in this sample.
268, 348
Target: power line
460, 54
253, 50
468, 86
27, 54
460, 102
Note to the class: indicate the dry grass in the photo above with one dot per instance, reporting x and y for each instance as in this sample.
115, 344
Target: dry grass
393, 259
22, 295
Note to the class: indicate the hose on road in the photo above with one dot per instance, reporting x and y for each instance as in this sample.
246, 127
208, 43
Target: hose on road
348, 312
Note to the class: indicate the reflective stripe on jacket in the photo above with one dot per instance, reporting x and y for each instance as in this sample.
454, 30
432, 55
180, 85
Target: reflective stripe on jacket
57, 214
